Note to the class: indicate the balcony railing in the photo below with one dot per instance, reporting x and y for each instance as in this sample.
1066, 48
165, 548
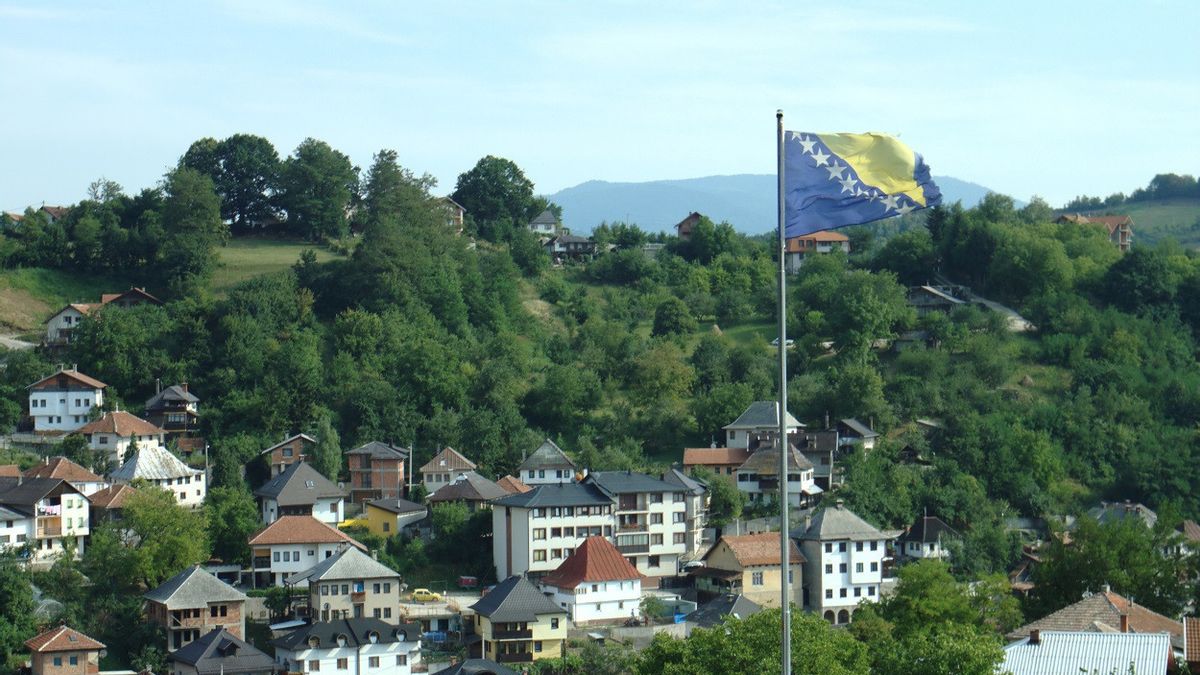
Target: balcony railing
358, 597
633, 548
631, 527
526, 634
518, 657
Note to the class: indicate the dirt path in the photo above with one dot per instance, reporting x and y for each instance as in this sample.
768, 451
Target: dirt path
11, 342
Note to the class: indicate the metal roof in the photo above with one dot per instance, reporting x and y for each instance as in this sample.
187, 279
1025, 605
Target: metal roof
838, 522
348, 563
221, 652
714, 611
762, 415
547, 456
561, 494
469, 487
153, 463
172, 394
676, 477
1059, 652
299, 484
626, 482
398, 505
764, 462
859, 428
193, 588
515, 599
381, 450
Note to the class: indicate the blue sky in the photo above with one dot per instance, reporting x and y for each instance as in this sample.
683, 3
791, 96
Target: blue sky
1050, 98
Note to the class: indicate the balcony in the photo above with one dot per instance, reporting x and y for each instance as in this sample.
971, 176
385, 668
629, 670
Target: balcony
262, 563
633, 548
526, 634
768, 484
631, 527
49, 527
518, 657
358, 598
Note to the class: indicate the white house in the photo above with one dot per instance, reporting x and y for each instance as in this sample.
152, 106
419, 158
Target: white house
926, 539
219, 652
758, 477
696, 500
533, 532
60, 326
545, 225
54, 514
64, 401
445, 468
350, 647
15, 528
762, 417
116, 432
547, 464
301, 490
83, 480
595, 584
844, 558
651, 520
350, 583
157, 466
291, 545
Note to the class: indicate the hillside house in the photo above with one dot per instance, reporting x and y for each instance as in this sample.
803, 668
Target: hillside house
157, 466
194, 603
721, 461
350, 647
1105, 611
293, 544
844, 562
301, 491
516, 623
64, 401
683, 229
547, 464
759, 476
116, 433
761, 417
926, 299
63, 322
297, 448
219, 652
471, 489
53, 515
1120, 228
109, 504
927, 538
1112, 512
570, 246
749, 565
444, 468
595, 584
376, 471
546, 224
852, 432
63, 651
533, 532
823, 242
83, 480
456, 215
389, 517
350, 584
821, 449
175, 410
15, 526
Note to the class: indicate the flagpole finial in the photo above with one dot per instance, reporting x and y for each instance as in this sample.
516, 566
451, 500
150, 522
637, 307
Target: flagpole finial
779, 113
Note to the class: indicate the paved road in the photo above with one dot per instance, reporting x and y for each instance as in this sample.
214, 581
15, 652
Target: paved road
11, 342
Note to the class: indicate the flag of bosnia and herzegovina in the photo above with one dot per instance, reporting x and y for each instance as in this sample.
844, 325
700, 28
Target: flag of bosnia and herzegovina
835, 180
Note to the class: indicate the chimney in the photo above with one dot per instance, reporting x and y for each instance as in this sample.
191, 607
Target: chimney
1125, 622
183, 385
158, 385
826, 419
1035, 637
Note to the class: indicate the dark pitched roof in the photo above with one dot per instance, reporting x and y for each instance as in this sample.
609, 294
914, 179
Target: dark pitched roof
194, 587
289, 439
220, 652
397, 505
1110, 512
515, 599
380, 450
561, 494
858, 428
469, 487
676, 477
348, 563
714, 611
172, 394
547, 456
764, 461
477, 667
929, 529
356, 631
546, 217
625, 482
761, 415
299, 484
31, 491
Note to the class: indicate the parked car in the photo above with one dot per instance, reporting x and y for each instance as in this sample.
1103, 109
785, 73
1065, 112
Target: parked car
775, 342
425, 595
468, 582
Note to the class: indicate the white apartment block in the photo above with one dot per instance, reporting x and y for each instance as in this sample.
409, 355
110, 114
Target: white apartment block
652, 526
366, 646
533, 532
845, 557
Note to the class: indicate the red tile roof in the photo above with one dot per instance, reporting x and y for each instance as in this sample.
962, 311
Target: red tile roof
513, 485
62, 639
715, 456
596, 559
112, 497
301, 530
74, 375
61, 467
1191, 629
1188, 528
10, 471
1107, 608
760, 549
122, 424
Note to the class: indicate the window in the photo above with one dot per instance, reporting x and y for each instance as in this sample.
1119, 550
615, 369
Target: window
677, 497
375, 588
378, 613
553, 623
874, 567
539, 533
652, 561
345, 589
275, 555
790, 580
841, 547
568, 532
858, 546
402, 659
677, 517
871, 590
542, 474
858, 567
678, 538
296, 555
555, 553
556, 532
874, 546
656, 498
842, 593
841, 568
58, 661
287, 452
343, 664
656, 518
333, 590
656, 540
828, 568
537, 646
387, 587
857, 592
325, 589
287, 556
387, 527
387, 612
74, 660
828, 547
756, 578
104, 440
314, 666
372, 661
539, 556
828, 593
539, 513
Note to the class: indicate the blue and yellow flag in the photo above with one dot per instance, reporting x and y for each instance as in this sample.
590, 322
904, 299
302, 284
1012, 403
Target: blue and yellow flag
835, 180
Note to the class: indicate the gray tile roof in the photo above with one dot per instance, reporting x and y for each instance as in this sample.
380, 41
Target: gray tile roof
858, 428
547, 456
625, 482
220, 652
838, 522
714, 611
172, 394
31, 491
348, 563
153, 463
299, 484
929, 529
1063, 652
765, 463
762, 415
682, 480
1111, 512
305, 437
546, 217
356, 632
562, 494
477, 667
470, 487
515, 599
194, 588
398, 505
381, 450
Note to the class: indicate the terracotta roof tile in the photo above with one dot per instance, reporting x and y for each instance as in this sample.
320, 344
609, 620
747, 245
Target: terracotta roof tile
1188, 528
10, 470
760, 549
301, 530
62, 639
90, 382
122, 424
112, 497
1191, 626
61, 467
715, 456
1106, 607
596, 559
513, 486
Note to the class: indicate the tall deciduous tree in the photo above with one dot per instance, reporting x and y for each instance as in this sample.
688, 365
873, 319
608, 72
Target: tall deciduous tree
494, 192
245, 170
161, 536
232, 517
327, 455
316, 187
193, 229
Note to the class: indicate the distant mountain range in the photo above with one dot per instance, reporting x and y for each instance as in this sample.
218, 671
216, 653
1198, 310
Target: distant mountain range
747, 201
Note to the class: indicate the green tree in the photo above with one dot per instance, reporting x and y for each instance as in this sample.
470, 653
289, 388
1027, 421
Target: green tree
161, 537
232, 516
17, 622
496, 193
193, 229
316, 187
673, 317
725, 501
245, 171
327, 455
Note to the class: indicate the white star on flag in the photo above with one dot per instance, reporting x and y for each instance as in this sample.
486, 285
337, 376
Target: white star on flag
904, 209
848, 184
807, 143
820, 157
835, 171
890, 202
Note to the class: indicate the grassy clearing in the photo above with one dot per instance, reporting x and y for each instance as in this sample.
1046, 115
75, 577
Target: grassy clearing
1154, 221
28, 296
242, 259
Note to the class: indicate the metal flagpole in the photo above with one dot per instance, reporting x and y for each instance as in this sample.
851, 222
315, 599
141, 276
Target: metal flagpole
785, 548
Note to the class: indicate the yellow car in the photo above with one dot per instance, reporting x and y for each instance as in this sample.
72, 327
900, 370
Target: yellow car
425, 595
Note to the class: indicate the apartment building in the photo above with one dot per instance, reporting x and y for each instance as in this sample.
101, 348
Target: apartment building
533, 532
844, 557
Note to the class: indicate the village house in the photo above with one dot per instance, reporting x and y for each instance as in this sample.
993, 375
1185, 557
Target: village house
456, 215
546, 224
844, 557
64, 401
63, 651
350, 647
651, 520
721, 461
534, 531
390, 517
570, 246
157, 466
759, 476
547, 464
927, 538
54, 516
1113, 512
595, 584
116, 432
175, 410
926, 299
376, 471
63, 322
821, 450
852, 433
468, 488
749, 565
1095, 652
350, 584
823, 242
761, 417
1120, 228
293, 544
516, 623
83, 480
683, 229
443, 469
1104, 611
15, 527
219, 652
290, 450
301, 490
193, 603
109, 504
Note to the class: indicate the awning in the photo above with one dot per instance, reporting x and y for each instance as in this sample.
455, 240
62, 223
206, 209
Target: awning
811, 489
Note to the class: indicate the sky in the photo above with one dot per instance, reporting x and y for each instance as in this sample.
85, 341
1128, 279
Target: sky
1053, 98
